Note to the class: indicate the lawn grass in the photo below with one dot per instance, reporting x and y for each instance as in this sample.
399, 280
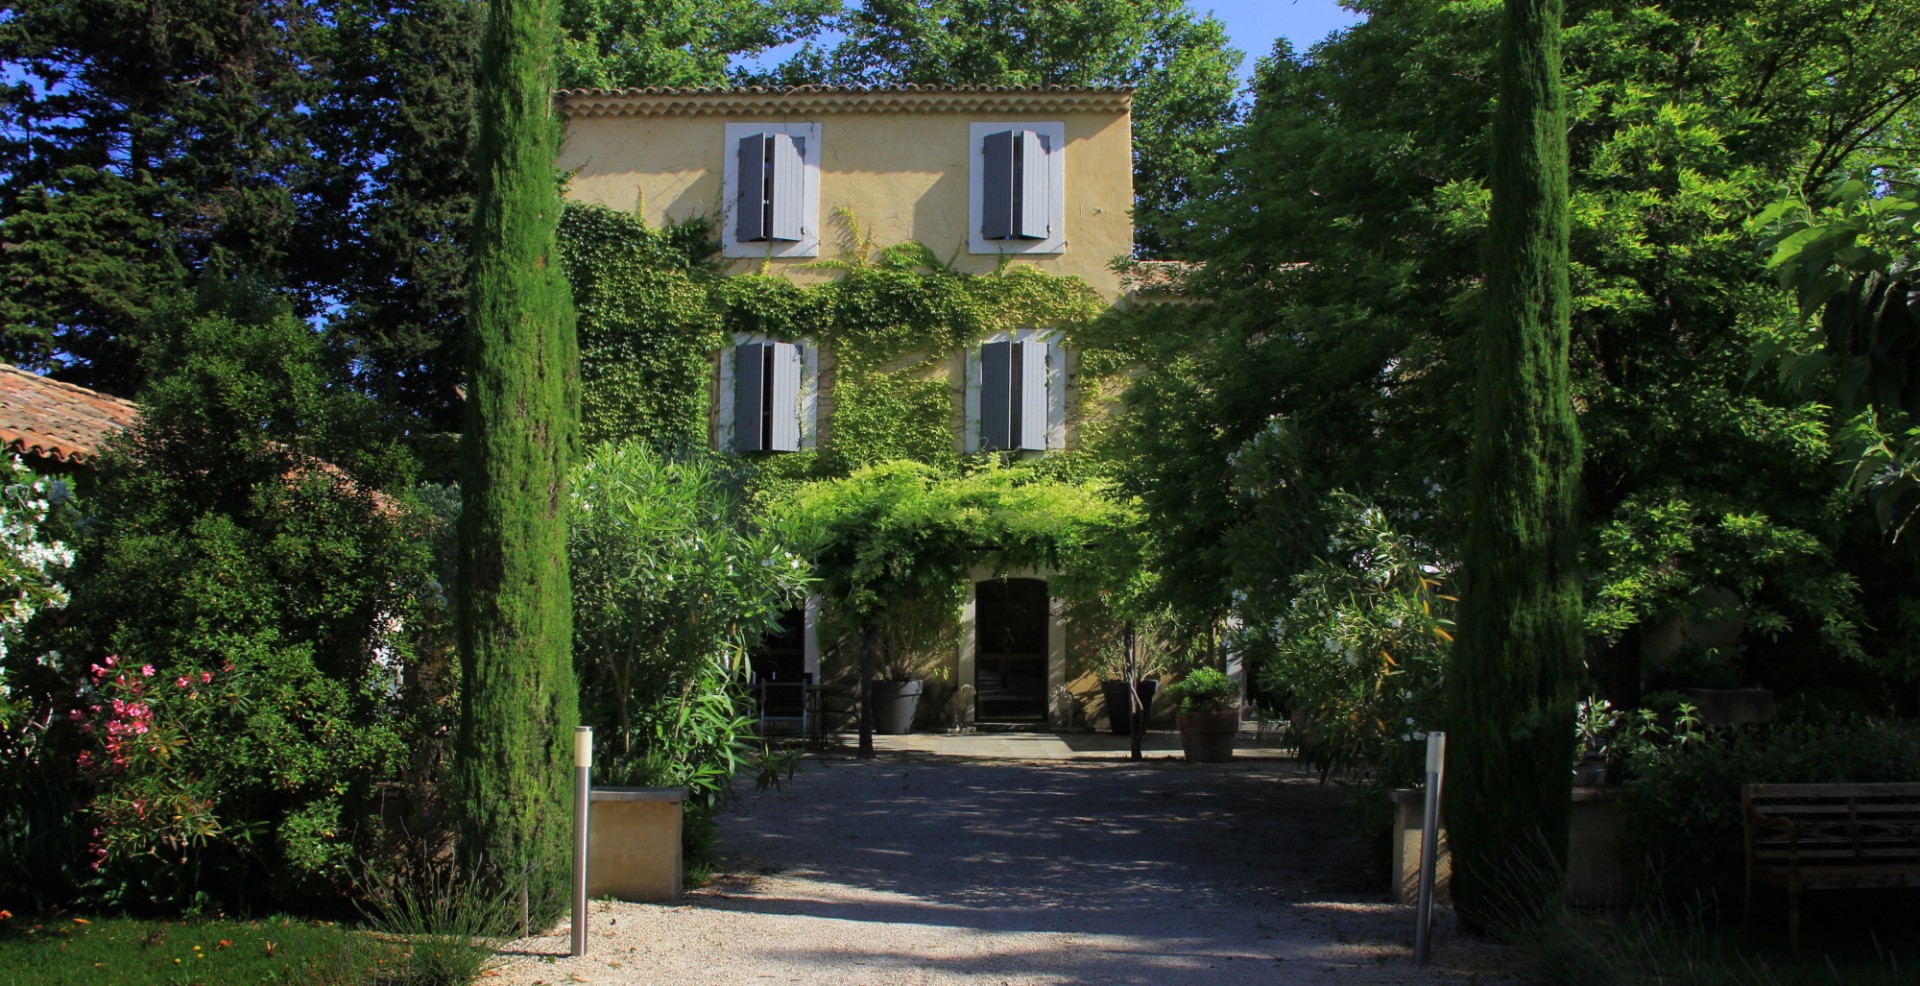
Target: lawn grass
106, 951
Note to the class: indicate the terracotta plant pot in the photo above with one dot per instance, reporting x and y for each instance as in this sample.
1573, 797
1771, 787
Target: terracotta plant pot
1120, 704
894, 703
1207, 737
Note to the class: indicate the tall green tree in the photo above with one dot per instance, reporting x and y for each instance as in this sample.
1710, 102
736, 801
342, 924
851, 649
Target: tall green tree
396, 121
1177, 59
519, 703
1516, 671
140, 142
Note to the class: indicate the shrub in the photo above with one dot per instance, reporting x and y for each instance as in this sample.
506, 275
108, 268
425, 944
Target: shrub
1205, 690
672, 584
1683, 801
239, 530
1361, 648
38, 843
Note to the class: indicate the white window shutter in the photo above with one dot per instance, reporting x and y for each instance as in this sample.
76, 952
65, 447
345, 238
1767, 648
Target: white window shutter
787, 188
1031, 192
1030, 396
783, 404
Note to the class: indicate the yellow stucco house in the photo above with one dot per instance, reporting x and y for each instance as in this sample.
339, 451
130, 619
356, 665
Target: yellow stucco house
981, 176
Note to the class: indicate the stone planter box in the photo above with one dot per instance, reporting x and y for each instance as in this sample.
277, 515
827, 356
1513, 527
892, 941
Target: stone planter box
633, 843
1597, 871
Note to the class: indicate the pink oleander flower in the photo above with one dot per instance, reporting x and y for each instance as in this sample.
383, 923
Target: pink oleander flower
206, 677
146, 670
181, 682
111, 659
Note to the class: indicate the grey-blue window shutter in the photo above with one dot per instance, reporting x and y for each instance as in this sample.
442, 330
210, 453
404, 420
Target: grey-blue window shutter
997, 185
750, 204
749, 397
996, 395
1030, 396
783, 405
787, 189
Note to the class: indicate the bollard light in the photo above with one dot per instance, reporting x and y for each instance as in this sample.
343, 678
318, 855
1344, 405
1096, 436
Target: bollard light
1429, 837
582, 803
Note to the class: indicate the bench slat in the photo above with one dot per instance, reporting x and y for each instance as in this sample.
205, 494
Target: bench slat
1792, 809
1886, 790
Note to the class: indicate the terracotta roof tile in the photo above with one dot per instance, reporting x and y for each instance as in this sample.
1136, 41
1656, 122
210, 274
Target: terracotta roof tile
59, 421
811, 100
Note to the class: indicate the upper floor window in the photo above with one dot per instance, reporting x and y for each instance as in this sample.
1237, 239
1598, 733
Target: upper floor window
771, 183
1017, 201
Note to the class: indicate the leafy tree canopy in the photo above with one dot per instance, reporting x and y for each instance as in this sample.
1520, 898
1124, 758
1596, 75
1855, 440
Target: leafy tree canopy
1342, 272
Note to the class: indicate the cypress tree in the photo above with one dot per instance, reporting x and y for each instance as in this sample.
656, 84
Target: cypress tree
518, 700
1511, 688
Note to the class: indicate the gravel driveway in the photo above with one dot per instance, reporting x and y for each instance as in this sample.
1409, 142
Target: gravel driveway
917, 869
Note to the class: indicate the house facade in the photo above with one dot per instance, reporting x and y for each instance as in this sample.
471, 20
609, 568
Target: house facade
981, 177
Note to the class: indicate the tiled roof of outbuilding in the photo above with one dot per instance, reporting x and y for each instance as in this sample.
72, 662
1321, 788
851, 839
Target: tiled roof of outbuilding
816, 100
59, 421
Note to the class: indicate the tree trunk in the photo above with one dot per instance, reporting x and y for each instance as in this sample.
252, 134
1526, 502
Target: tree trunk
868, 643
1137, 726
1514, 677
519, 703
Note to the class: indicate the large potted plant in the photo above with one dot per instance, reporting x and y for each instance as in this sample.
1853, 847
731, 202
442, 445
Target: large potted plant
1110, 660
1209, 714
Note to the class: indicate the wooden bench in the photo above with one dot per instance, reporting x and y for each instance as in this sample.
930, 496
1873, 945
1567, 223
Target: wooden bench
1830, 837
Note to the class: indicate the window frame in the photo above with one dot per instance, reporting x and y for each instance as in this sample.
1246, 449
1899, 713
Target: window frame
808, 245
1055, 132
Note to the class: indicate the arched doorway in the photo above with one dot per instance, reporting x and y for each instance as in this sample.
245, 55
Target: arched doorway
1011, 622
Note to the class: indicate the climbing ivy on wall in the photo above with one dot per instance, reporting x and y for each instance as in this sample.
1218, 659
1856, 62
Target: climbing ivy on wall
647, 326
655, 306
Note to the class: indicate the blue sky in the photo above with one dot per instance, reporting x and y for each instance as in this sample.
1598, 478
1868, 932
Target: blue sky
1254, 24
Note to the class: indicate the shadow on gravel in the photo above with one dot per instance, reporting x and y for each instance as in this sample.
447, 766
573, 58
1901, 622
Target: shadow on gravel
1211, 858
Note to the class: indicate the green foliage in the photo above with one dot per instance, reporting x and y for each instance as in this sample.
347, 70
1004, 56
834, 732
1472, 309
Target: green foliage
647, 326
672, 585
1360, 652
891, 533
1513, 680
518, 698
394, 114
610, 45
1850, 258
1326, 346
39, 844
1683, 800
1205, 690
654, 308
146, 142
237, 534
